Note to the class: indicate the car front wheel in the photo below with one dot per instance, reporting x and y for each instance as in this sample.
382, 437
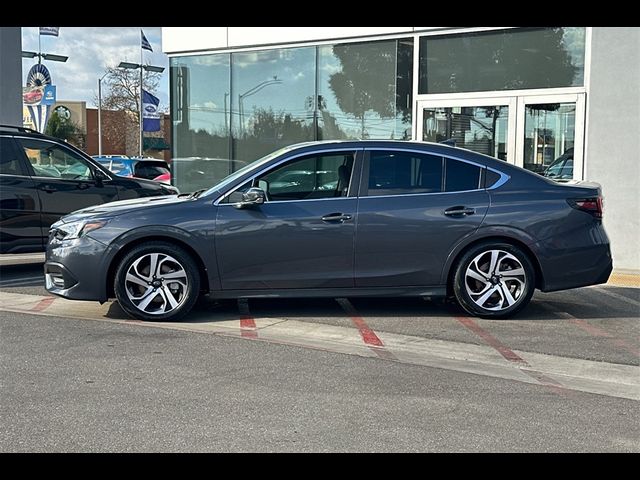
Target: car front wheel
494, 280
157, 281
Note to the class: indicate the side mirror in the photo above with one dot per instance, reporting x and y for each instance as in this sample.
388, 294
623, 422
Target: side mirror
253, 196
99, 177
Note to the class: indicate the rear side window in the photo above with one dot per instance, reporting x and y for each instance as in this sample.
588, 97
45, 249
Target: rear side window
401, 173
10, 163
491, 178
461, 176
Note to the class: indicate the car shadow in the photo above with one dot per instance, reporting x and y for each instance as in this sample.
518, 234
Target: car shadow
582, 303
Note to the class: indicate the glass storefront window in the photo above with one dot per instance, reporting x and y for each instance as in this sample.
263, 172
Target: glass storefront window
481, 129
272, 100
550, 139
364, 90
514, 59
200, 111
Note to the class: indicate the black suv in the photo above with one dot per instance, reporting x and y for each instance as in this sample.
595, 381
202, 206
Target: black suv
43, 178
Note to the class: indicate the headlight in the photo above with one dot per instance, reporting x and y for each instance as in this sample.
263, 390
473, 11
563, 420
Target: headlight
69, 231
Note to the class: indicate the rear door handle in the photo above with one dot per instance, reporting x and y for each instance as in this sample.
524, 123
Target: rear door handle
336, 217
459, 211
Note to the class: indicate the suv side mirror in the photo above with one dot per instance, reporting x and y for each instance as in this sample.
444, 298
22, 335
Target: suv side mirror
253, 196
99, 177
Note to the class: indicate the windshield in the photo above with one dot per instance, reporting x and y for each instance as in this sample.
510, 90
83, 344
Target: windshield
239, 173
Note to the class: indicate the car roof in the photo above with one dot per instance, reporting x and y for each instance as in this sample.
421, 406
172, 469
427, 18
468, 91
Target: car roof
13, 130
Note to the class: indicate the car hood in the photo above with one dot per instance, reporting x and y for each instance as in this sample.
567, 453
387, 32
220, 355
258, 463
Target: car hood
121, 207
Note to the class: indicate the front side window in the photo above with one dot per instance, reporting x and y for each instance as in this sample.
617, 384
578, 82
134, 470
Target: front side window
318, 176
398, 173
50, 160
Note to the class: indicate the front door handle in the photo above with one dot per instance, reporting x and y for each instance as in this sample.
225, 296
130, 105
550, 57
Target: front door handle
48, 188
453, 211
336, 217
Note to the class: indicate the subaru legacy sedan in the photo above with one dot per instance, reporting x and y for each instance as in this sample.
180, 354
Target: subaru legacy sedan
367, 218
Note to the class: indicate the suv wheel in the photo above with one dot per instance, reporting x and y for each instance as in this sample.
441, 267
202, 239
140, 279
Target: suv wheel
157, 281
494, 280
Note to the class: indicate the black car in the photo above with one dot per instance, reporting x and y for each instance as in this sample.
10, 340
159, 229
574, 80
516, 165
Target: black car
43, 178
395, 219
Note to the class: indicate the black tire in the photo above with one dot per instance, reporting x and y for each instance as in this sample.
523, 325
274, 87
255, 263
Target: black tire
498, 299
185, 297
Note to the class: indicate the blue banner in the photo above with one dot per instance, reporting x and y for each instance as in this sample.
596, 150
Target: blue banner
144, 43
150, 115
49, 97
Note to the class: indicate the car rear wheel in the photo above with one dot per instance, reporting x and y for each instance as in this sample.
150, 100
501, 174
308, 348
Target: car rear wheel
157, 281
494, 280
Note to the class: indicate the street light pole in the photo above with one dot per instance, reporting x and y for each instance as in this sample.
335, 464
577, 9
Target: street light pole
251, 91
100, 113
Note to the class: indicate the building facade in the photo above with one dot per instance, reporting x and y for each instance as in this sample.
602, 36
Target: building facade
561, 101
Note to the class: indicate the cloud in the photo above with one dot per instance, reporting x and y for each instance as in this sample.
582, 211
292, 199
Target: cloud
90, 51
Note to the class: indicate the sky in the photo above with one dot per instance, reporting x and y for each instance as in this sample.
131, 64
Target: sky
90, 51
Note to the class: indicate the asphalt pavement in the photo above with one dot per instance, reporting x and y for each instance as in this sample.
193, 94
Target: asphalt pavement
320, 375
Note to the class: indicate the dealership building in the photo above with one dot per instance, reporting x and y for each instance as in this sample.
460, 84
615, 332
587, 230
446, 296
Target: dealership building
561, 101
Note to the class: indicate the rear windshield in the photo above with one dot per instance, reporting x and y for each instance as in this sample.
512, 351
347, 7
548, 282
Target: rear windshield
150, 170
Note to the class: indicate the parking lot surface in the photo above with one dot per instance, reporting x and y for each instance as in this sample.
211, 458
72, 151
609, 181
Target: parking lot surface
567, 368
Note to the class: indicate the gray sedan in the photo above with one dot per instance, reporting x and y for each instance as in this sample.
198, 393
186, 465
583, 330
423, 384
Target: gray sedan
377, 218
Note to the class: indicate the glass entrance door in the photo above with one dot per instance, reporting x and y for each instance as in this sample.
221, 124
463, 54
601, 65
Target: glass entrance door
551, 134
483, 125
542, 133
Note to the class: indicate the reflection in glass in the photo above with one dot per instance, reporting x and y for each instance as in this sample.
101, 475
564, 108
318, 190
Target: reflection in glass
270, 100
481, 129
549, 137
199, 103
364, 90
511, 59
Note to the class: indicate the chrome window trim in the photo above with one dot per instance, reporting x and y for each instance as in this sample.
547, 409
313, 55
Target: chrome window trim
503, 176
421, 194
293, 157
15, 175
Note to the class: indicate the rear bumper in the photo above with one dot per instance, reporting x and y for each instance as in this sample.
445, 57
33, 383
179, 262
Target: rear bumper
586, 262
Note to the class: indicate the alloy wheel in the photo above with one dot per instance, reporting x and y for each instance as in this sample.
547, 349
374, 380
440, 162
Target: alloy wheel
495, 280
156, 283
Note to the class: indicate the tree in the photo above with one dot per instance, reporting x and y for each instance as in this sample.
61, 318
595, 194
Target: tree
64, 129
123, 95
366, 81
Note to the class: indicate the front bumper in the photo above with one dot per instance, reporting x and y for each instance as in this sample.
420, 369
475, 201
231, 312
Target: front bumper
74, 269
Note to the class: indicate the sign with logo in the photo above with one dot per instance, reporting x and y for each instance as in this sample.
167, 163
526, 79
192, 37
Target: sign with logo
49, 97
63, 112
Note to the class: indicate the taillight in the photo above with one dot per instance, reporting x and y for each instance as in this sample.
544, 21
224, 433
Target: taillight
592, 205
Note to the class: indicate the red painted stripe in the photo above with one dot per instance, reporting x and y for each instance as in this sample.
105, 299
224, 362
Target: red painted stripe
247, 322
598, 332
510, 355
43, 304
492, 341
368, 336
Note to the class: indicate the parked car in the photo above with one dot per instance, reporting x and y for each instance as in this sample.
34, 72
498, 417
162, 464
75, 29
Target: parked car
412, 219
562, 167
43, 178
125, 166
